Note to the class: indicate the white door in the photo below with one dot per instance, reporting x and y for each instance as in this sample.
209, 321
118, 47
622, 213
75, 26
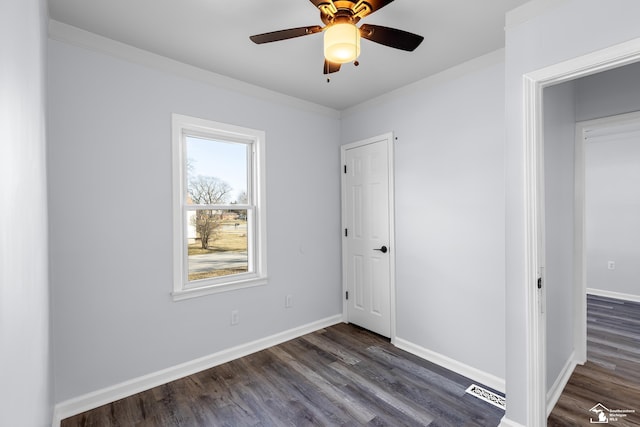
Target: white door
367, 235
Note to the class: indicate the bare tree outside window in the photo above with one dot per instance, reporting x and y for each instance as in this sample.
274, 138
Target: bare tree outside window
242, 198
207, 190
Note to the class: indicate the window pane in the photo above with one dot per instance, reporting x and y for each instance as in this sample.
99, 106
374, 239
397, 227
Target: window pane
217, 243
216, 172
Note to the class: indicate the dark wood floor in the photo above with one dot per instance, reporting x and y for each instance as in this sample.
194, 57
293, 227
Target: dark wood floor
339, 376
611, 375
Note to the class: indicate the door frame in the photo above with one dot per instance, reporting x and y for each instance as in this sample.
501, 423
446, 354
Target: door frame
533, 87
389, 138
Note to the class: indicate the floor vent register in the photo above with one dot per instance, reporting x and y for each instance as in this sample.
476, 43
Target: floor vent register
486, 395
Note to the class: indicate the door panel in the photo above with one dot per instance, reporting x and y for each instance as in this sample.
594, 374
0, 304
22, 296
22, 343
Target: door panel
367, 220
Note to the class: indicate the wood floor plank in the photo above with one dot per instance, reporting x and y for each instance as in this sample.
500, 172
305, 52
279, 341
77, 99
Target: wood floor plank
611, 375
336, 396
338, 376
332, 347
383, 394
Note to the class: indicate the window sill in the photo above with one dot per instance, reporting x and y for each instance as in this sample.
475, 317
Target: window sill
218, 288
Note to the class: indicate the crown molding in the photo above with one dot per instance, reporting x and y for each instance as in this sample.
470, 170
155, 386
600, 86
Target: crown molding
69, 34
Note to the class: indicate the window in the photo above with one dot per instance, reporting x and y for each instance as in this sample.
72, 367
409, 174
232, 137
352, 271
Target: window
218, 197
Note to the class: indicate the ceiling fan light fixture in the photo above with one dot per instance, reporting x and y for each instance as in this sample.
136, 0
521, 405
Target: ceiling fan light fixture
341, 36
341, 43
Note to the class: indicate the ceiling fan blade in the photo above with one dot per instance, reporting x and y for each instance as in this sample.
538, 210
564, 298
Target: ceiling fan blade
290, 33
391, 37
330, 67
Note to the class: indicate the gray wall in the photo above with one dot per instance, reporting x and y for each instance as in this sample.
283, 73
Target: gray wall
560, 31
609, 93
449, 191
613, 213
559, 158
25, 369
612, 209
110, 221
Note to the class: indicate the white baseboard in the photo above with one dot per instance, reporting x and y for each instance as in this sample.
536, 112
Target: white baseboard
115, 392
558, 386
505, 422
615, 295
482, 377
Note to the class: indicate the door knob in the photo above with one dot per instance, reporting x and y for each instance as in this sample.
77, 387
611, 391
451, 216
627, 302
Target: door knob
383, 249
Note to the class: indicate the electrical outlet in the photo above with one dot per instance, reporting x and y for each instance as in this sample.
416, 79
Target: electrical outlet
235, 317
288, 301
611, 265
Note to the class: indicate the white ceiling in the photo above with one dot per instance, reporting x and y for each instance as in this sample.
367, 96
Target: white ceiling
214, 35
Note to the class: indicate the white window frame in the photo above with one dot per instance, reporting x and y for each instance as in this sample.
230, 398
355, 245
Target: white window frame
183, 127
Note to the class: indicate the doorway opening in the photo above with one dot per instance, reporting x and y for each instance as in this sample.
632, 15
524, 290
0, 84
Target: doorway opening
534, 85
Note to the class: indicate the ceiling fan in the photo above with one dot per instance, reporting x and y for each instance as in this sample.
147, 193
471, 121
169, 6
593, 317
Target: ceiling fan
341, 36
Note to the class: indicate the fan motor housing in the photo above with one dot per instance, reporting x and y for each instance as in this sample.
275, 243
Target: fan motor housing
349, 11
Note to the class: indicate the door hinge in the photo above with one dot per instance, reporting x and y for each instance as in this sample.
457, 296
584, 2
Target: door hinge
346, 233
539, 282
345, 168
347, 295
